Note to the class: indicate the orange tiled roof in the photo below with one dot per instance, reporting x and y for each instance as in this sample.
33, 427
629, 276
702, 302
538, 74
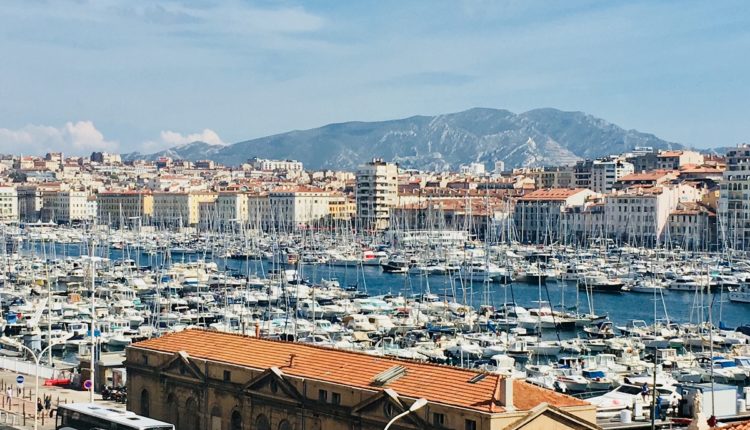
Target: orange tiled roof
552, 194
742, 425
646, 176
440, 384
670, 153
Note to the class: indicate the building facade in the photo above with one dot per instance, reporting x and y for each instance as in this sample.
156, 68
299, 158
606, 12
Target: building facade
125, 208
64, 207
605, 173
211, 380
8, 205
376, 194
537, 215
180, 209
734, 200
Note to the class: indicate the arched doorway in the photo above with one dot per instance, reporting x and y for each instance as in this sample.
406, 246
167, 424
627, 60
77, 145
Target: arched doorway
284, 425
262, 423
145, 403
236, 421
189, 417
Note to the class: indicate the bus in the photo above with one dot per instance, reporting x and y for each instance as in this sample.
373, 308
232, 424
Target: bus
90, 416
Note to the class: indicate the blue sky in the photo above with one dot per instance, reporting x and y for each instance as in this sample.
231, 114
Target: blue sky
83, 75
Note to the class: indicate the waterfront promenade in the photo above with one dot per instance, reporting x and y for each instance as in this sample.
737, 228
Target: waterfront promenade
18, 412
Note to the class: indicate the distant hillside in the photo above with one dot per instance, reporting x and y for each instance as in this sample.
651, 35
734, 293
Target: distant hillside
534, 138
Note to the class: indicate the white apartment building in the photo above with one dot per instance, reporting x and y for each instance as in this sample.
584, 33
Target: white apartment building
473, 169
734, 200
376, 194
298, 207
604, 174
537, 215
64, 207
8, 205
640, 215
273, 165
180, 209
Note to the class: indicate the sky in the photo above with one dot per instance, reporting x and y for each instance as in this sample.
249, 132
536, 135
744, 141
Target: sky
120, 76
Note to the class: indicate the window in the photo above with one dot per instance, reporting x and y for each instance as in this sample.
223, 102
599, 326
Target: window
438, 420
323, 395
470, 425
227, 376
336, 398
389, 410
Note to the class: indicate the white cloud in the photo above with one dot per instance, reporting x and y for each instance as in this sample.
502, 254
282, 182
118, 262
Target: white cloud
173, 138
75, 138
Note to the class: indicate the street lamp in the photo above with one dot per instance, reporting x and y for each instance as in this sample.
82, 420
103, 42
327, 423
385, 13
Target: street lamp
37, 359
418, 404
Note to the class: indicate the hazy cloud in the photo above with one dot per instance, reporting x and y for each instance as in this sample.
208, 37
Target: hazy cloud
79, 137
173, 138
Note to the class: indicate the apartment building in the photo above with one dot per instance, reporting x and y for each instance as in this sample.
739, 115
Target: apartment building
376, 194
202, 380
232, 208
179, 209
673, 160
67, 206
299, 206
30, 200
639, 215
734, 200
692, 226
274, 165
537, 214
340, 208
582, 174
125, 208
8, 204
605, 173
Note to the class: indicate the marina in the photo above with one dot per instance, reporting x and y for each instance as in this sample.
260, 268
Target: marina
588, 322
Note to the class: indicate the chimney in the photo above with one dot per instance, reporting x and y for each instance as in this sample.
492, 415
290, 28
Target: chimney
291, 359
504, 393
257, 329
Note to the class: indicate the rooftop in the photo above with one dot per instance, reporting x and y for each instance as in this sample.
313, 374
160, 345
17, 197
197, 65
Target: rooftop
552, 194
440, 384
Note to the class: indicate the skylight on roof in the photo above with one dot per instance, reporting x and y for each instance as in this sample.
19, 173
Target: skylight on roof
477, 378
388, 376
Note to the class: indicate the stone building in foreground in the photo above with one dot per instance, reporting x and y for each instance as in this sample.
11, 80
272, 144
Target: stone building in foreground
211, 380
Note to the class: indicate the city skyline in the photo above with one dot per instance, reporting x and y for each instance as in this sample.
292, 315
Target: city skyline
143, 76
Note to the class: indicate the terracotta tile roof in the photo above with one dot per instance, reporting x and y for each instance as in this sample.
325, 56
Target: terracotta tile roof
646, 176
552, 194
440, 384
670, 153
742, 425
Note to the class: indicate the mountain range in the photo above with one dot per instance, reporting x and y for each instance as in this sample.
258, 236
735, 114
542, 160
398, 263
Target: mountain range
539, 137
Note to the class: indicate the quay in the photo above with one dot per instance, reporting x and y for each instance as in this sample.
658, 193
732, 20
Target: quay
18, 411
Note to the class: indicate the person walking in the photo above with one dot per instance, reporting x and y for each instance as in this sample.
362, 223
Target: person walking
39, 406
9, 394
48, 405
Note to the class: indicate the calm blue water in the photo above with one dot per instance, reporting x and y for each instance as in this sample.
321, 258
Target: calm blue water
680, 306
